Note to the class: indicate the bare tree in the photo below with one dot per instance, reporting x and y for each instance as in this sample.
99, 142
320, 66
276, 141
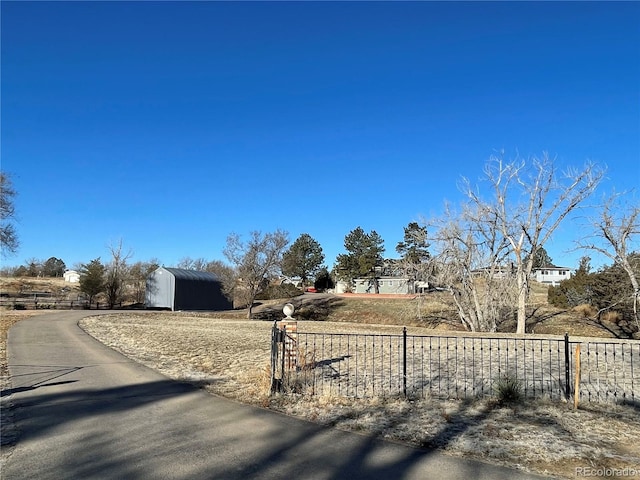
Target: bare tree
226, 275
138, 274
8, 237
529, 201
254, 261
188, 263
117, 274
469, 261
614, 231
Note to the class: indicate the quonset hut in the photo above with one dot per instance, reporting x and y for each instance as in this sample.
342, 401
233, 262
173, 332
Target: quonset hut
179, 289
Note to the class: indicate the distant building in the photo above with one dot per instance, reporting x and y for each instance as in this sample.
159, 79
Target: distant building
179, 289
71, 276
551, 274
388, 284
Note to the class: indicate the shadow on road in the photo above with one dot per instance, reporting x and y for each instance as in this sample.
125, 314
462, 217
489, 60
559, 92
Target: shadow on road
126, 432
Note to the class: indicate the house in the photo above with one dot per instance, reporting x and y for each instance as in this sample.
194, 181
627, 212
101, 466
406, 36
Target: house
180, 289
295, 281
551, 274
391, 278
497, 271
71, 276
395, 285
398, 285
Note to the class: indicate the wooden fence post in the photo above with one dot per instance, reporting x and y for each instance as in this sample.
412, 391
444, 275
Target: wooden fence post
576, 389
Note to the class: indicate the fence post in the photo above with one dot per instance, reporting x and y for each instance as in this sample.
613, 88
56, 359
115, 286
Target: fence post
576, 389
567, 367
274, 356
404, 361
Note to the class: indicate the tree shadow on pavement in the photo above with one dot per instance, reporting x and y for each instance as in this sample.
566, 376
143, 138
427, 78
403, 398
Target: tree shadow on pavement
169, 429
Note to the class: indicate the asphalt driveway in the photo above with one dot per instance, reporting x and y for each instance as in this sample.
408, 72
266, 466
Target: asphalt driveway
83, 411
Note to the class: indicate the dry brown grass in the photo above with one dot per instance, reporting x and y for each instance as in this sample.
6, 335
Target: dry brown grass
585, 311
230, 357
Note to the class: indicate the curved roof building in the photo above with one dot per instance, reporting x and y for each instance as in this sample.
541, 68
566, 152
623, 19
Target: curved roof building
179, 289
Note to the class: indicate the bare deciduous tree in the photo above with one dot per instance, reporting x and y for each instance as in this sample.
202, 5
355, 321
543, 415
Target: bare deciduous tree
614, 231
188, 263
8, 236
254, 261
529, 201
138, 273
469, 259
116, 274
226, 275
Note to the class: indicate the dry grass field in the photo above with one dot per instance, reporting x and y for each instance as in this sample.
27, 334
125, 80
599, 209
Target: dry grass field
228, 355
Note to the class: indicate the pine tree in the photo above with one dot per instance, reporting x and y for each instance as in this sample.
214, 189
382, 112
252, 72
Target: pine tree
92, 278
364, 256
303, 259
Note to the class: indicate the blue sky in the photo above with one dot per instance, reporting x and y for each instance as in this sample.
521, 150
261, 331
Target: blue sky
170, 125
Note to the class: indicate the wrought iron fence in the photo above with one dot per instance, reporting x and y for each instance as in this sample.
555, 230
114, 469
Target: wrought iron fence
460, 366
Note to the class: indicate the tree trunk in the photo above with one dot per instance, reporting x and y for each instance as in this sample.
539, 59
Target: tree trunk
523, 293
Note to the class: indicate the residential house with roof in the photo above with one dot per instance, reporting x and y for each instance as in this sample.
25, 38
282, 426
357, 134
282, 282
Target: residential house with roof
551, 274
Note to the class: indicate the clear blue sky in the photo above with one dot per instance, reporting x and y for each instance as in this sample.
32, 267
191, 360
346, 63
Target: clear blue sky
170, 125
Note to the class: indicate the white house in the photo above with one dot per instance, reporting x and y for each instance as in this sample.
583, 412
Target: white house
551, 274
71, 276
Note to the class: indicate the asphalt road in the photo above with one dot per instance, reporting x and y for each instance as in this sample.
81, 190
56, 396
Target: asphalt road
83, 411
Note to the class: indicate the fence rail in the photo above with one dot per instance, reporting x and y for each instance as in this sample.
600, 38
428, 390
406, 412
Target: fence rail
53, 304
367, 365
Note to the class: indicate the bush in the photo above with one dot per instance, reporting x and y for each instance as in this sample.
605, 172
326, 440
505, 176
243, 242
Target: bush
508, 389
587, 311
611, 317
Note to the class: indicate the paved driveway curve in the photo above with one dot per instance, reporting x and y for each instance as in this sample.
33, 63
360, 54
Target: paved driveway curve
83, 411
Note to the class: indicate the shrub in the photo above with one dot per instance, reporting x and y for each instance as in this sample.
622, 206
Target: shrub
586, 310
508, 389
612, 317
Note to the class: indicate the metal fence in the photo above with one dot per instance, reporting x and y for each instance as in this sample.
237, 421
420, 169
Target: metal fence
461, 366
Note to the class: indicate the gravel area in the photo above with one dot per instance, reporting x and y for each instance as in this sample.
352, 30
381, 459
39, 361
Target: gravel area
230, 357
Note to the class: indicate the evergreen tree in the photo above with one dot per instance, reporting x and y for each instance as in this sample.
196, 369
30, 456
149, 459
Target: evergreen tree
577, 290
413, 248
323, 280
92, 278
364, 256
414, 252
303, 259
541, 259
53, 267
612, 288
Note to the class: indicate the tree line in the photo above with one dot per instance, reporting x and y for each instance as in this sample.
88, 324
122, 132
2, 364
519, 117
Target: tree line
482, 251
